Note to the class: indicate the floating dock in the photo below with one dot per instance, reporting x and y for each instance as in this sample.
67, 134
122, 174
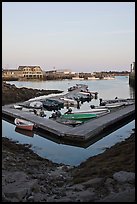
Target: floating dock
82, 133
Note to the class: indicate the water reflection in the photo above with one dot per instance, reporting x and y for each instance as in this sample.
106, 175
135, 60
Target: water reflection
132, 92
24, 132
60, 140
89, 142
57, 151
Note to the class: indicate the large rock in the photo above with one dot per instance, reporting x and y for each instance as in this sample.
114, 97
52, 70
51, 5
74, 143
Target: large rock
123, 177
17, 186
125, 196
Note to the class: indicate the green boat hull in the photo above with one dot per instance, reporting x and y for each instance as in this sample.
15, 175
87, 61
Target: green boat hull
79, 116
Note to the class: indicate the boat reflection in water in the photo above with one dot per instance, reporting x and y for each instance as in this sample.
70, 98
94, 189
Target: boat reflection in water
24, 132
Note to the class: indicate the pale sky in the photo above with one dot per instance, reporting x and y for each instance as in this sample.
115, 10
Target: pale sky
79, 36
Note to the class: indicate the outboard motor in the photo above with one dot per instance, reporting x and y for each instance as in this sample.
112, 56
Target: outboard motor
69, 111
100, 101
54, 115
58, 113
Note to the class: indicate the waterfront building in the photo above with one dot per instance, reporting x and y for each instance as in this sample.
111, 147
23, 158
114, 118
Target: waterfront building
22, 73
11, 74
31, 72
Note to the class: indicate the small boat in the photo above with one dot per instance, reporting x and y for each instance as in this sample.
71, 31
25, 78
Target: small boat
97, 111
69, 122
82, 97
114, 105
31, 110
68, 101
36, 104
52, 104
18, 107
78, 86
79, 116
107, 106
127, 101
23, 124
117, 102
72, 88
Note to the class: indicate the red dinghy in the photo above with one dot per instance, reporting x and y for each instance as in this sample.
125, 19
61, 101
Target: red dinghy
23, 124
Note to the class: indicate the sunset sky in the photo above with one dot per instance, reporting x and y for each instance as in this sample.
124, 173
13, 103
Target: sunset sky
79, 36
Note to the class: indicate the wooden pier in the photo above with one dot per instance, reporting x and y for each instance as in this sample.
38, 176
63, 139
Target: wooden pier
84, 132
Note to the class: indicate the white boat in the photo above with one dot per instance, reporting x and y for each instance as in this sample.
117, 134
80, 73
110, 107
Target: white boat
117, 102
114, 105
23, 124
18, 107
85, 93
127, 101
68, 101
36, 104
97, 111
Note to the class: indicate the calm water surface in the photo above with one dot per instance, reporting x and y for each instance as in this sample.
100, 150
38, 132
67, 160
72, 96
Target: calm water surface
67, 153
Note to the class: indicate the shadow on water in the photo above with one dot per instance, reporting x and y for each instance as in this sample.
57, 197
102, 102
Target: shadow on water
24, 132
89, 142
60, 140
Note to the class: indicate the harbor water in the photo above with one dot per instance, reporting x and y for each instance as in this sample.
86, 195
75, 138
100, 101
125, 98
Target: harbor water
71, 154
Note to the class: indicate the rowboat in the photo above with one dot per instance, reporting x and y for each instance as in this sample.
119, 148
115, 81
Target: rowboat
79, 116
128, 101
23, 124
97, 111
115, 105
117, 100
68, 101
83, 96
108, 106
68, 122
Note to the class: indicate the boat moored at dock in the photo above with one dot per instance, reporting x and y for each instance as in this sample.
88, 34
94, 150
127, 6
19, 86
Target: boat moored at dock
23, 124
79, 116
97, 111
117, 102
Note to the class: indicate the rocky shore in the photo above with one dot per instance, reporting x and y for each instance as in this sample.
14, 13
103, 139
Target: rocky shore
26, 177
12, 94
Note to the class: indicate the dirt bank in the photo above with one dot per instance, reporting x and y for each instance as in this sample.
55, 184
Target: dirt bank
26, 177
